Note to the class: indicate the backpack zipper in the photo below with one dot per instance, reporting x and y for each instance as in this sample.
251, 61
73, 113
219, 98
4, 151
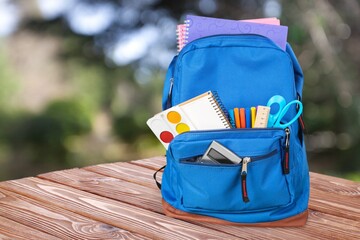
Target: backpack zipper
244, 191
244, 172
286, 160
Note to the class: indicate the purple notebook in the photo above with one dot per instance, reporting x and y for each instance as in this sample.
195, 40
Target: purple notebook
198, 27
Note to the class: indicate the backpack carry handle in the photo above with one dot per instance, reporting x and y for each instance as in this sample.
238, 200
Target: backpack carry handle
158, 184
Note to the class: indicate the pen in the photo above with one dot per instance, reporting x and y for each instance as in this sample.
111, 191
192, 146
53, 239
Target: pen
237, 117
248, 117
242, 118
232, 118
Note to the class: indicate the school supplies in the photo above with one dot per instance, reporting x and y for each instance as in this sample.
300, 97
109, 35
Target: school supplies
203, 112
218, 154
181, 36
237, 118
182, 31
262, 116
253, 116
248, 117
198, 27
242, 118
272, 20
232, 118
283, 108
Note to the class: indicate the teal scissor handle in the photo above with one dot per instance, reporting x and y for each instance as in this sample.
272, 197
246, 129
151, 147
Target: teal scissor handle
275, 118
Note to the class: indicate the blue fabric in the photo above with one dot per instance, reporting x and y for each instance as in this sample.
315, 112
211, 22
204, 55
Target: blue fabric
245, 71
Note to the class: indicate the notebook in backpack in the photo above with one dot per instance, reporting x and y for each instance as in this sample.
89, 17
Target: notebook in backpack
245, 70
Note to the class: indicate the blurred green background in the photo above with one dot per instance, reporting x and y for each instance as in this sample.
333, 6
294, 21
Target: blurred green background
79, 78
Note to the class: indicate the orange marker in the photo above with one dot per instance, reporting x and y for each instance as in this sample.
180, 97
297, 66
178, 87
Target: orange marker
237, 117
242, 118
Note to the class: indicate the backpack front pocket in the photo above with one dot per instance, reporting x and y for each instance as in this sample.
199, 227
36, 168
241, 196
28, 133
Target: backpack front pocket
255, 184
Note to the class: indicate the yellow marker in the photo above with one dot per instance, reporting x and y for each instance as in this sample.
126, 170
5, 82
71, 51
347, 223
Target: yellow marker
253, 116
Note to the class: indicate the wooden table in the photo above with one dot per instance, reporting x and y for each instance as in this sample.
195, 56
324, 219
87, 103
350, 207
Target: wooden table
121, 201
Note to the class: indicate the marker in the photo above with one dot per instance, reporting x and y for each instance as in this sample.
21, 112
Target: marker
253, 116
248, 117
237, 117
232, 118
242, 118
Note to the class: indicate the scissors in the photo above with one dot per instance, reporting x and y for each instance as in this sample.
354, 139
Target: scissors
275, 118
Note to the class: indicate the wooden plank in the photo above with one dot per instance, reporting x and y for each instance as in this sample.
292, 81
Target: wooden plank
153, 163
125, 216
334, 226
118, 189
109, 187
127, 172
335, 196
3, 237
335, 181
12, 230
56, 221
336, 186
334, 204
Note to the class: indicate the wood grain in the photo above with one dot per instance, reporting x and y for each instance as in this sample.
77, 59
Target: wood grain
153, 163
56, 221
334, 204
113, 188
124, 216
12, 230
110, 187
121, 200
127, 172
335, 196
4, 237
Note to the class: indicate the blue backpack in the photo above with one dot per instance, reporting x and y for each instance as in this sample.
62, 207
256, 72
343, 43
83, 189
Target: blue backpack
244, 70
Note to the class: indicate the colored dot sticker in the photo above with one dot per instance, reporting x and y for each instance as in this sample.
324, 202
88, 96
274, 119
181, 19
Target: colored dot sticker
166, 136
174, 117
182, 127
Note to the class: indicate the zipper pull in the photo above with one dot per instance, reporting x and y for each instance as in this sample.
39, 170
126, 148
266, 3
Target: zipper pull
286, 160
169, 98
245, 162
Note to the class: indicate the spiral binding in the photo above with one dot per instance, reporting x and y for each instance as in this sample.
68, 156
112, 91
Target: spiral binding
179, 36
182, 33
220, 109
186, 36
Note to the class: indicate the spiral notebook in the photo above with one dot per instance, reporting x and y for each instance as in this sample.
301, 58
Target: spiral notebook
197, 27
181, 36
204, 112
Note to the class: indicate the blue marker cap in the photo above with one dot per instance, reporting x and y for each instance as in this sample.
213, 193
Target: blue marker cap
248, 117
232, 118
